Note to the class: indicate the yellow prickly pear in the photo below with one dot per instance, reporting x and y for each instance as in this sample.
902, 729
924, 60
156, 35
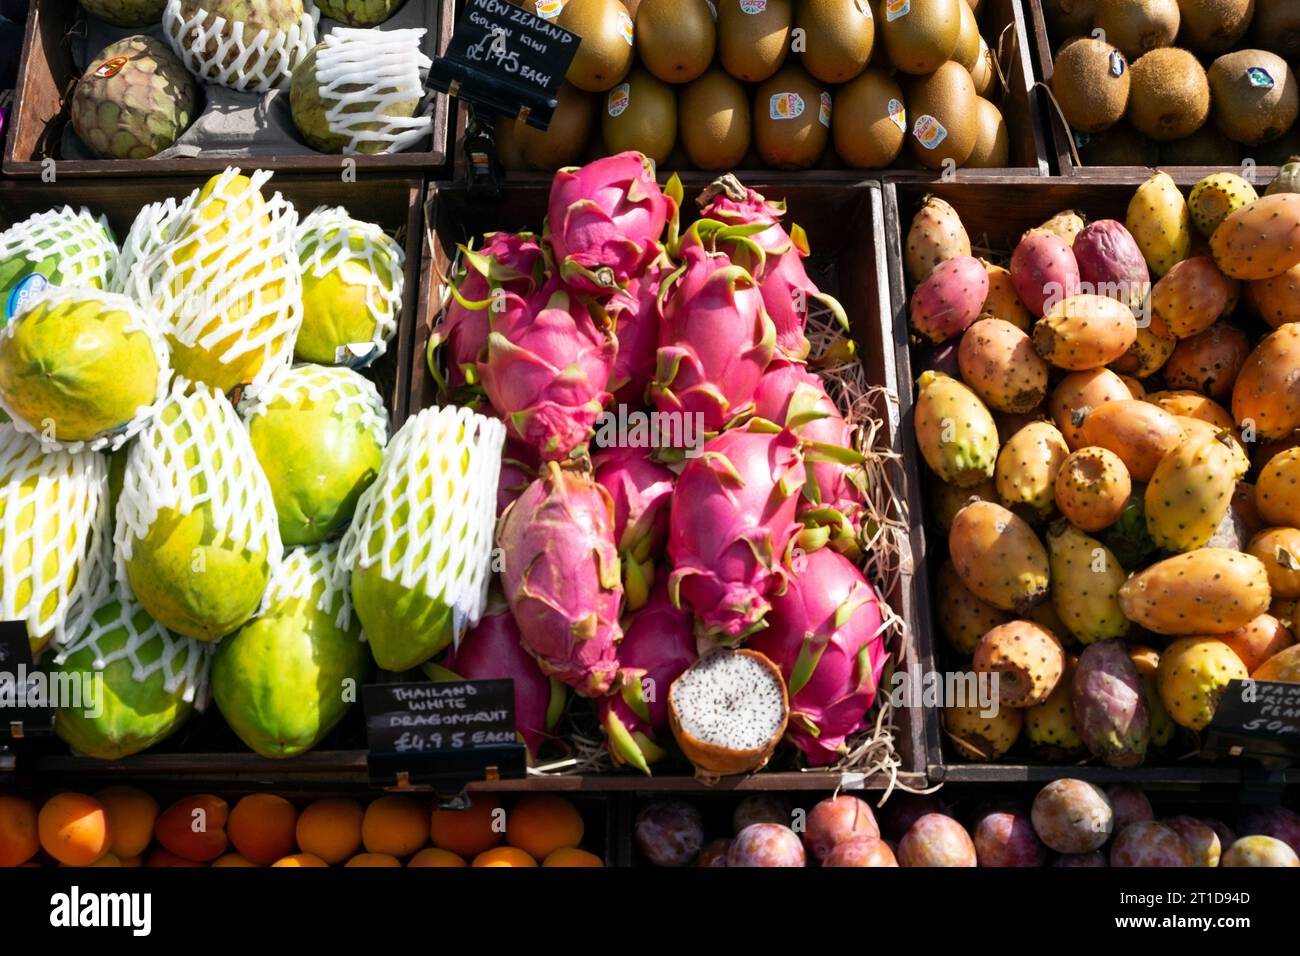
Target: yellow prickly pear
1027, 467
981, 738
1216, 197
1182, 403
1279, 550
1028, 660
998, 556
1189, 493
1092, 488
1140, 433
1201, 430
946, 500
1085, 331
1050, 725
1080, 392
1261, 240
1086, 579
962, 617
1147, 662
1193, 675
1192, 295
955, 431
1282, 666
1264, 397
935, 236
1206, 591
998, 361
1148, 353
1003, 302
1161, 223
1277, 492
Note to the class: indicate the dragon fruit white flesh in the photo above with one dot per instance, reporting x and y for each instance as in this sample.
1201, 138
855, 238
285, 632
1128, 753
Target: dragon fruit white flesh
642, 490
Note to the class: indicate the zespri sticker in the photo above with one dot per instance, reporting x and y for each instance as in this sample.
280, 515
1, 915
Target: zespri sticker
928, 131
753, 7
824, 110
897, 8
785, 106
618, 100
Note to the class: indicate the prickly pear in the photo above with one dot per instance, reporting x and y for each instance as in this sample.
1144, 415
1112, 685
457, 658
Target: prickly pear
1072, 816
945, 500
1110, 707
1277, 494
1027, 467
1148, 353
1208, 361
1199, 837
950, 298
1044, 271
1027, 658
1259, 640
1148, 843
1160, 222
936, 235
1192, 295
1189, 493
978, 737
1206, 591
998, 362
1147, 662
1049, 725
1085, 331
1261, 240
962, 617
1277, 300
1086, 579
998, 556
1111, 264
1264, 397
1193, 675
1066, 225
1003, 302
1092, 488
1195, 428
1140, 433
957, 435
1083, 391
1279, 550
1182, 403
1215, 197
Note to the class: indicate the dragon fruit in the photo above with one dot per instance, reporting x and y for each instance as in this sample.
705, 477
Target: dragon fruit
547, 369
636, 327
824, 633
491, 651
509, 262
658, 645
731, 525
715, 340
604, 221
519, 464
642, 490
561, 577
781, 278
833, 502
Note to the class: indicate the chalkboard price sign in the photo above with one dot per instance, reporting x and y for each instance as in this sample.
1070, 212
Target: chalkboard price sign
506, 60
1257, 718
442, 734
24, 708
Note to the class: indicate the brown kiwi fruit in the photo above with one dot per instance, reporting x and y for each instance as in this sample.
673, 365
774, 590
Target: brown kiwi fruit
1137, 26
641, 114
924, 36
869, 122
605, 54
1211, 27
1121, 145
753, 37
1206, 147
941, 116
968, 38
837, 38
1069, 18
1090, 80
564, 141
675, 39
1246, 107
788, 119
992, 143
1170, 97
983, 74
1276, 28
713, 112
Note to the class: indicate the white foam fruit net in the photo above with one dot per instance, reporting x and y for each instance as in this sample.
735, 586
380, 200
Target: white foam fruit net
83, 245
314, 574
234, 54
195, 452
137, 321
327, 239
350, 395
361, 75
120, 629
147, 232
54, 526
428, 519
227, 277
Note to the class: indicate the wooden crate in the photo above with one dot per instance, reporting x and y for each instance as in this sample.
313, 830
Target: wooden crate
845, 227
47, 77
997, 212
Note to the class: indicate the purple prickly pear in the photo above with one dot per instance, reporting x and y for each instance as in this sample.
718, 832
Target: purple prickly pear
999, 363
1044, 271
1110, 707
950, 298
1111, 264
936, 235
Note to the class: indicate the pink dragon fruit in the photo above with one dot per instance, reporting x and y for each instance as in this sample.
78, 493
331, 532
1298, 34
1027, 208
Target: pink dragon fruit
511, 262
781, 277
833, 502
604, 220
636, 326
642, 490
731, 525
658, 645
824, 633
715, 340
491, 651
519, 464
546, 370
561, 577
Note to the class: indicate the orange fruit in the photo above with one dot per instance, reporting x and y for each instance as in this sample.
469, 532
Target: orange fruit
131, 816
161, 856
73, 828
232, 859
300, 860
395, 825
373, 859
572, 857
331, 829
542, 823
432, 856
261, 826
469, 832
18, 834
504, 856
133, 861
194, 827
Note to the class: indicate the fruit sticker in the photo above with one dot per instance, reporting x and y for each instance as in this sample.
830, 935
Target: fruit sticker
898, 113
625, 27
928, 131
862, 8
753, 7
784, 106
824, 110
713, 10
549, 9
897, 8
1260, 78
1116, 63
27, 289
110, 67
618, 100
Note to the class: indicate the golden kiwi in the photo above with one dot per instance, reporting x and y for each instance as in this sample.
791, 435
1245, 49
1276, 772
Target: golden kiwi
992, 142
1090, 80
983, 74
1169, 97
968, 38
792, 118
1276, 28
869, 122
1211, 27
565, 140
641, 114
675, 38
922, 34
713, 114
605, 54
1136, 26
1069, 18
941, 116
753, 37
1255, 96
836, 39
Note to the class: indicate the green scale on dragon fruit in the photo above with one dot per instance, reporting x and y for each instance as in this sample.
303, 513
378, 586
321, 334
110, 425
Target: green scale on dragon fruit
825, 633
642, 491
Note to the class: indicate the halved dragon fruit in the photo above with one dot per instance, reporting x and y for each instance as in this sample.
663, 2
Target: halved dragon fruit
561, 577
642, 490
546, 370
604, 221
731, 526
824, 633
658, 645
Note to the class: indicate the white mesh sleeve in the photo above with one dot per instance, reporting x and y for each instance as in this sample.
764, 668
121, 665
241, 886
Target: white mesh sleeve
230, 53
83, 245
315, 574
362, 74
349, 393
148, 230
